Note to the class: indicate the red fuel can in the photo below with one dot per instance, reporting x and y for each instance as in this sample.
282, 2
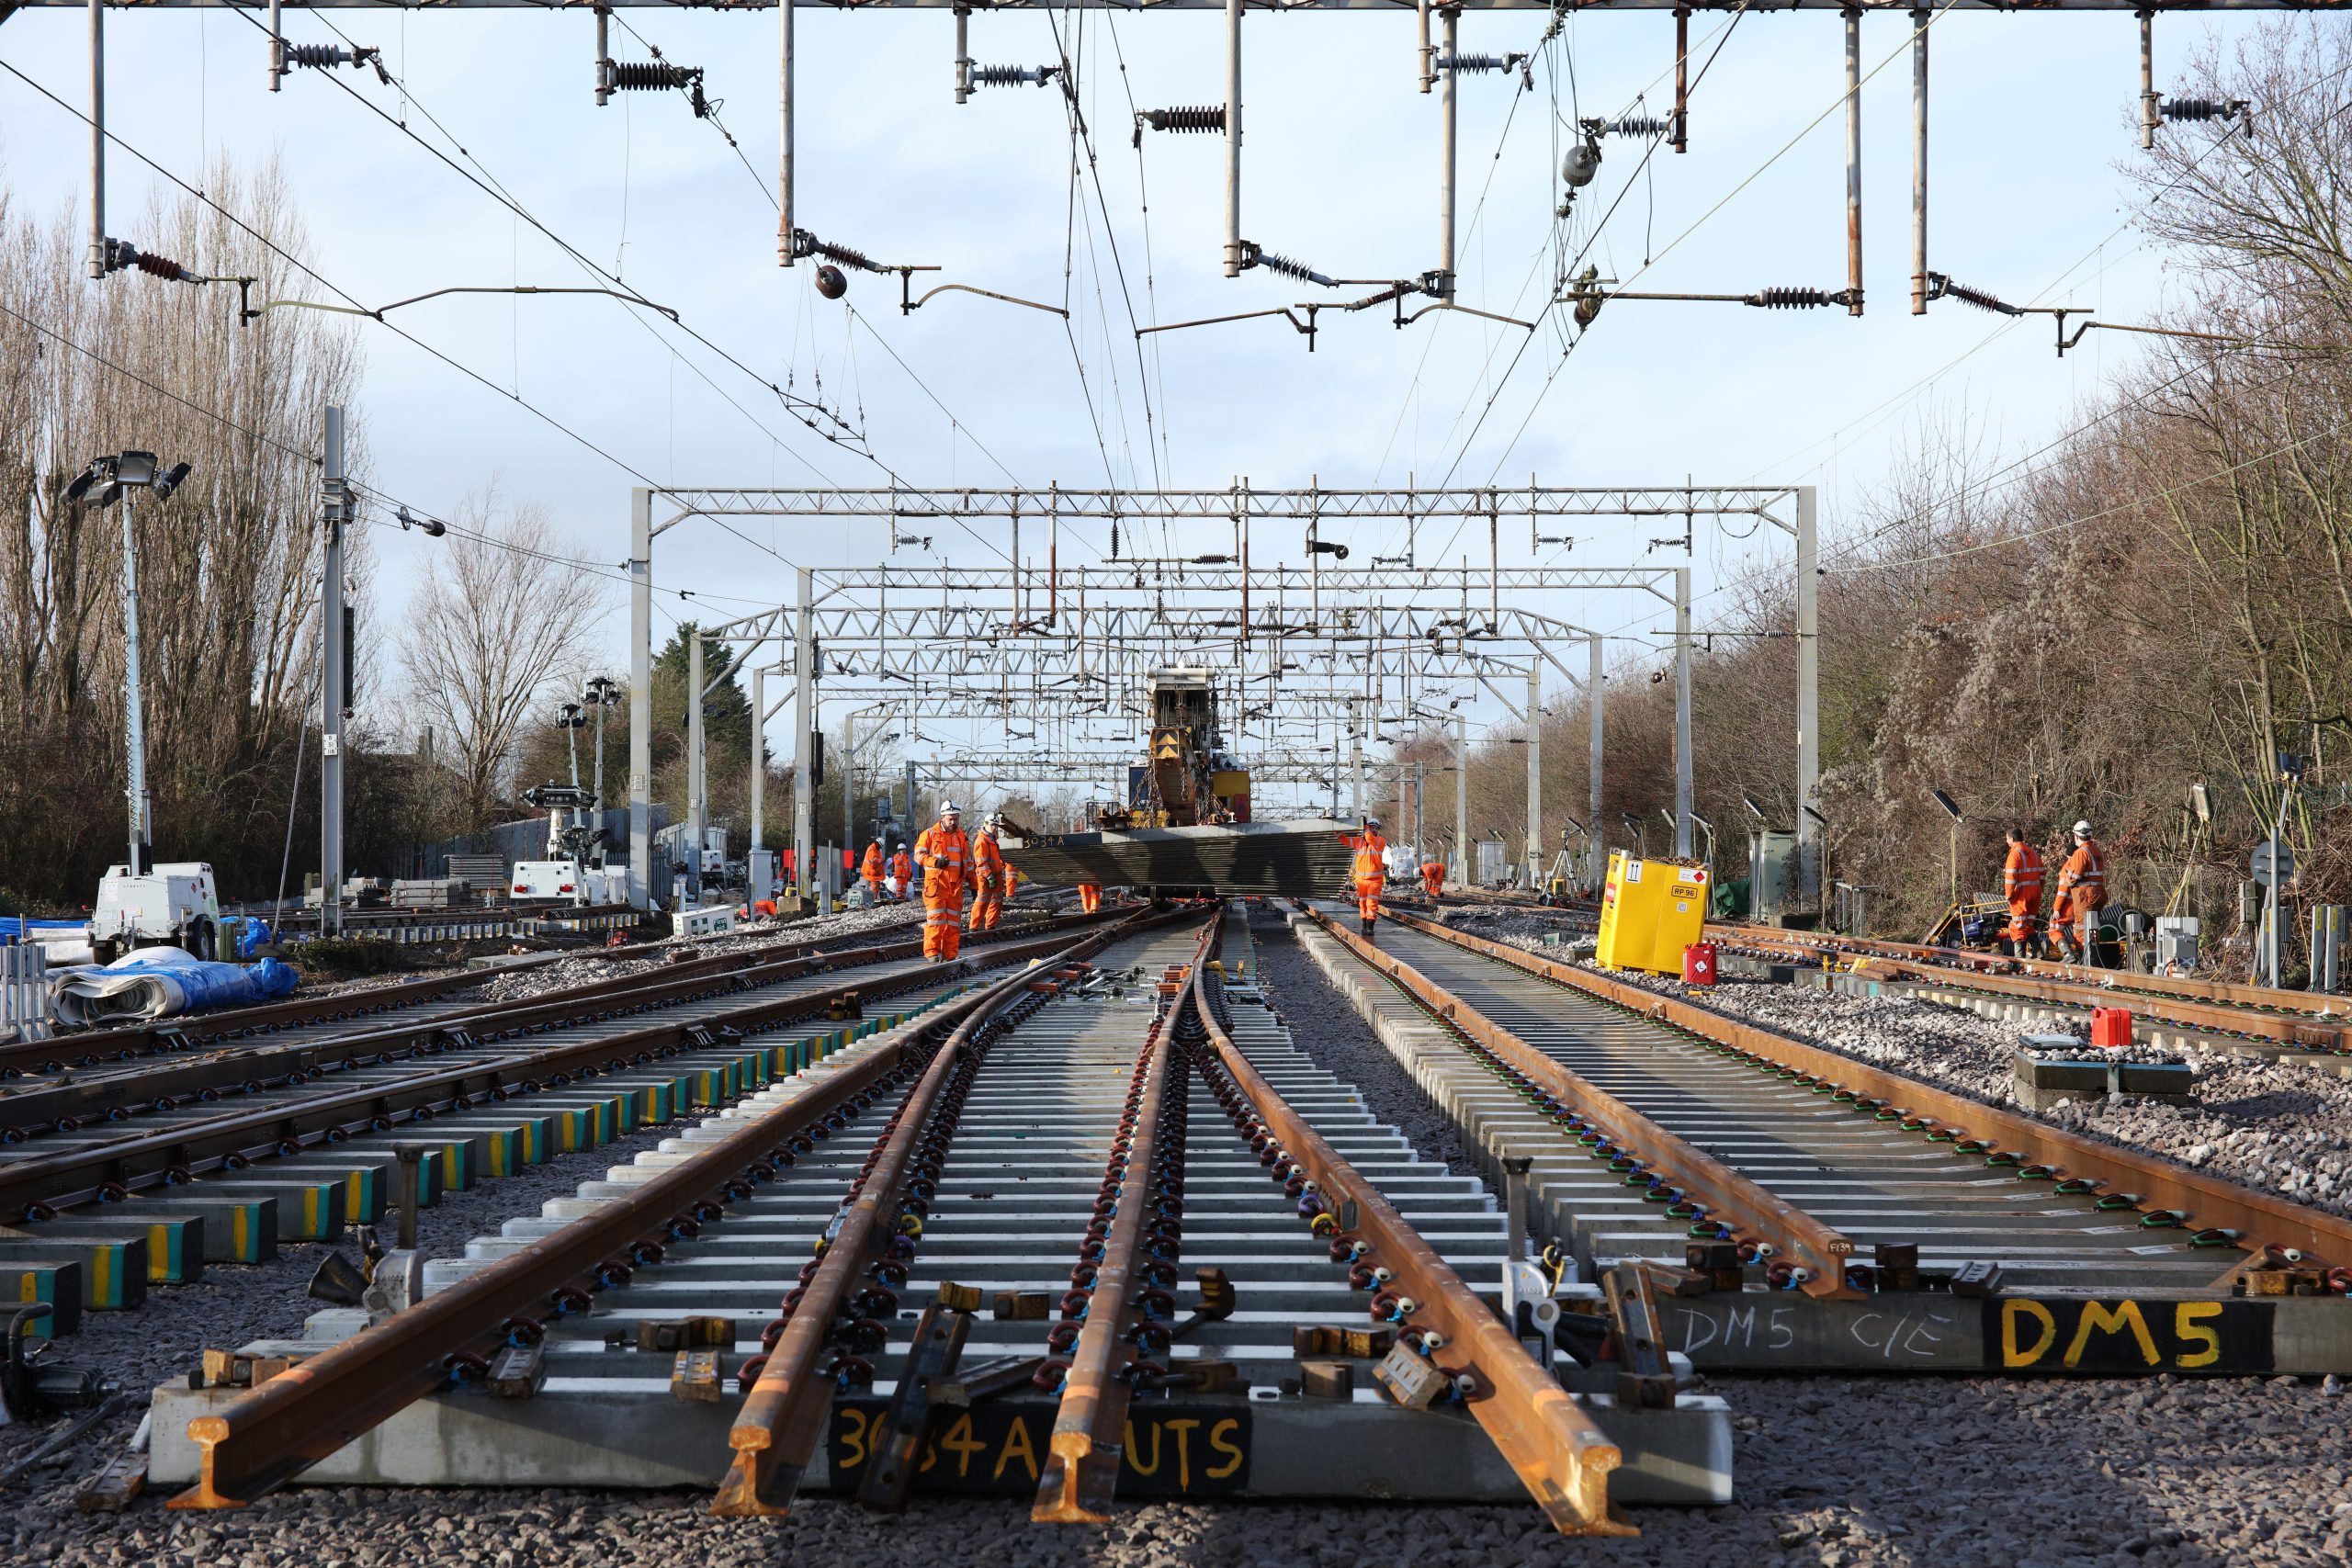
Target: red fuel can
1698, 964
2111, 1028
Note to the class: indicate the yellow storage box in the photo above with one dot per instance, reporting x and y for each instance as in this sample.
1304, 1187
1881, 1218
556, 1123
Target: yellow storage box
1651, 910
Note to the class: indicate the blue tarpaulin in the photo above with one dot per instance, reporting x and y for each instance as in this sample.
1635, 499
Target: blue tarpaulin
163, 982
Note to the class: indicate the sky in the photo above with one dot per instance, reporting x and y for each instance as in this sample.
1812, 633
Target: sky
2031, 135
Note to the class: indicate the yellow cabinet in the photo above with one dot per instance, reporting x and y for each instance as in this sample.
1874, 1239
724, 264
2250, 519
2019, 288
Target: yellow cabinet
1650, 910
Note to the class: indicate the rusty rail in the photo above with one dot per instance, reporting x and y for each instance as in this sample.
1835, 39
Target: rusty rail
185, 1149
218, 1031
2155, 1187
294, 1420
1726, 1194
1081, 1472
1558, 1453
784, 1413
2318, 1019
195, 1148
2295, 1018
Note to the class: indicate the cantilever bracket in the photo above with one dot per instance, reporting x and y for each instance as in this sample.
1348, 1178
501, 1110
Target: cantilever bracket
1305, 327
908, 304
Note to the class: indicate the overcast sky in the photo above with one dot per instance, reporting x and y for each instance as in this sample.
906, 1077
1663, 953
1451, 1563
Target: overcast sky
2032, 127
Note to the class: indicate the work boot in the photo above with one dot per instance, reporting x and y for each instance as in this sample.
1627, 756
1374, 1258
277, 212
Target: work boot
1366, 924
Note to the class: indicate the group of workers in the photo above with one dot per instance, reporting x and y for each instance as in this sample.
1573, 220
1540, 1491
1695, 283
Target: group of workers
951, 861
947, 858
891, 876
2081, 891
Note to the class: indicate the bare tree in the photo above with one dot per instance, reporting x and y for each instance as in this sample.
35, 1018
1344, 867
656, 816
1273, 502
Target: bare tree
499, 623
229, 565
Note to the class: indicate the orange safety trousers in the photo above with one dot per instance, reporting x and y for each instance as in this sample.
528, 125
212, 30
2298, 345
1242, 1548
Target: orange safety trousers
1368, 899
1090, 896
987, 904
942, 911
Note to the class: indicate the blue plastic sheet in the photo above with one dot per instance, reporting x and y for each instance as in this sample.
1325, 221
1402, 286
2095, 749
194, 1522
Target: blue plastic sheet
164, 982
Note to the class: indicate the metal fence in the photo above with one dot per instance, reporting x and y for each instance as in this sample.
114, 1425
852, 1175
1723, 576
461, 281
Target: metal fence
24, 991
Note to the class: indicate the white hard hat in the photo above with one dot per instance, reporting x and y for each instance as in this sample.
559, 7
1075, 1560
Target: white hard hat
996, 819
1371, 821
2083, 829
949, 808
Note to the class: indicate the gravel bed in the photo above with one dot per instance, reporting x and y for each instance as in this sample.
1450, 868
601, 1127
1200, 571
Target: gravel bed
1842, 1474
1325, 1025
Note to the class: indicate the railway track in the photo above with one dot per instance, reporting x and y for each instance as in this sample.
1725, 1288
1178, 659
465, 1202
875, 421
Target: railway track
299, 1017
2313, 1028
463, 924
1890, 1224
130, 1173
979, 1229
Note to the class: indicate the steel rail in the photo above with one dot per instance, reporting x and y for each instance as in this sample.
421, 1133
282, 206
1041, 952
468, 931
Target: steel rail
130, 1042
92, 1047
1726, 1195
783, 1415
1557, 1451
175, 1153
291, 1422
596, 1002
185, 1076
2297, 1018
2155, 1187
1081, 1472
2318, 1019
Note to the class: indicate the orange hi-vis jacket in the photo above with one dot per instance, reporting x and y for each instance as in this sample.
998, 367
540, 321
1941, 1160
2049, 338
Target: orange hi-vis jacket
989, 871
1433, 876
2082, 881
871, 868
1371, 859
902, 866
2021, 877
946, 856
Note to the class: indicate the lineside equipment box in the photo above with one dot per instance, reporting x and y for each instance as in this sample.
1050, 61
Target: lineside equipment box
1650, 910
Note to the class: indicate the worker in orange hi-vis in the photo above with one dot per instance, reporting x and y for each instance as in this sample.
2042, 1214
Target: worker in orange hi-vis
991, 878
1371, 872
1433, 876
870, 870
902, 869
946, 856
1090, 896
2082, 889
2022, 886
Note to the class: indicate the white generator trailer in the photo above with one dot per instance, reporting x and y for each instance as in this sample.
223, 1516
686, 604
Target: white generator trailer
175, 905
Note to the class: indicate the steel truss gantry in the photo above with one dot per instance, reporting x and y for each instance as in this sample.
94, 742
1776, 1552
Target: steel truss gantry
928, 640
